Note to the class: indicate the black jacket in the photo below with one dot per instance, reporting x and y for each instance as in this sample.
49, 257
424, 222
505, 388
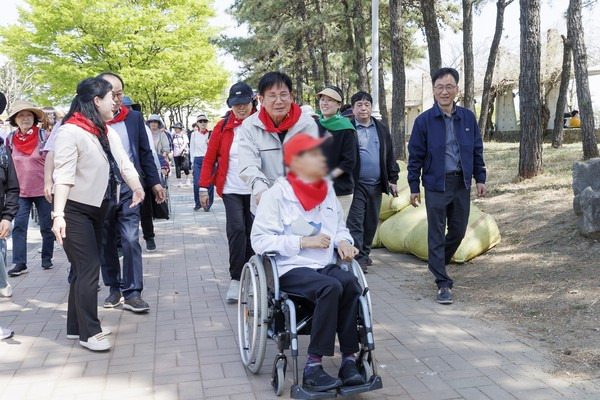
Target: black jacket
341, 151
387, 160
143, 159
9, 188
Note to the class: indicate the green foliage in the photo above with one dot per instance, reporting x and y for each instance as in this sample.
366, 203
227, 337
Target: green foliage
293, 36
161, 48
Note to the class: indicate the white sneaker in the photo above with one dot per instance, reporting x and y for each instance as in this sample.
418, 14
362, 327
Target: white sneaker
233, 291
180, 184
96, 343
188, 182
6, 333
6, 291
9, 244
105, 331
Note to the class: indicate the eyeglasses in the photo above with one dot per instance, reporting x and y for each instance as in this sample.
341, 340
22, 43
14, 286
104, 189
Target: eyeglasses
447, 88
272, 98
203, 121
119, 95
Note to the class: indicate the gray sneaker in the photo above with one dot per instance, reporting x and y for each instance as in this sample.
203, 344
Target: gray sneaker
444, 296
136, 304
6, 333
114, 300
232, 292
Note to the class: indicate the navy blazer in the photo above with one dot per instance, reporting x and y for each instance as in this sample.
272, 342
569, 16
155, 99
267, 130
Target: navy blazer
143, 159
427, 149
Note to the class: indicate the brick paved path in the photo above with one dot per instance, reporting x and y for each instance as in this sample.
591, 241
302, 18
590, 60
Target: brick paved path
185, 348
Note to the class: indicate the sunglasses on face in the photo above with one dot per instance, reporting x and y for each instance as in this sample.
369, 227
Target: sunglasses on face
203, 121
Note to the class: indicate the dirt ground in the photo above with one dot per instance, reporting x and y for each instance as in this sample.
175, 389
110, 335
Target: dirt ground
542, 279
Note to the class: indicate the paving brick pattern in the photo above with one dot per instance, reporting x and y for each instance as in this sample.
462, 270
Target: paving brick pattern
185, 347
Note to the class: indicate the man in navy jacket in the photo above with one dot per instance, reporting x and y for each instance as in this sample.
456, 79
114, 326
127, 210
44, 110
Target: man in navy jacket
446, 153
121, 220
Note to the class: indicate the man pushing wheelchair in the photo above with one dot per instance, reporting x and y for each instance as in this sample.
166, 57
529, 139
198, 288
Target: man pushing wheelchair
301, 220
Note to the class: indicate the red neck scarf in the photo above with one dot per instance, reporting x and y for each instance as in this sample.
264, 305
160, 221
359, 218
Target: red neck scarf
120, 117
81, 121
310, 194
204, 132
233, 122
26, 142
290, 119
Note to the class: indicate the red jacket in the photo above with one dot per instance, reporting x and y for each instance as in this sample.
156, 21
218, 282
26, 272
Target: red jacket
217, 152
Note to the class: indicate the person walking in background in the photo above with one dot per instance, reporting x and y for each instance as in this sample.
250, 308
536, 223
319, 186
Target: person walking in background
223, 152
122, 219
376, 172
160, 140
9, 206
341, 150
90, 163
263, 134
198, 146
445, 153
575, 122
180, 152
27, 148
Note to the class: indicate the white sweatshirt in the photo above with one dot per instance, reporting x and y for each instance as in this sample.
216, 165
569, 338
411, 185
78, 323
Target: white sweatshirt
281, 221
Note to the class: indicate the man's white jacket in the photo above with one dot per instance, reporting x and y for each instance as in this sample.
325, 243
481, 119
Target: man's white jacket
261, 152
281, 221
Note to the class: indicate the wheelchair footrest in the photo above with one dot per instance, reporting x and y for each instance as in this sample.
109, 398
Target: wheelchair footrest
298, 392
372, 384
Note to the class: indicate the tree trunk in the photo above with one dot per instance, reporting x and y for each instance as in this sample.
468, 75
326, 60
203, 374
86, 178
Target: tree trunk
584, 100
324, 46
561, 102
432, 32
383, 109
398, 80
491, 64
299, 93
469, 64
530, 104
360, 45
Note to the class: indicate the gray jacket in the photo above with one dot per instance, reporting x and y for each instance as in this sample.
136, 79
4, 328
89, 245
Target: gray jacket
261, 152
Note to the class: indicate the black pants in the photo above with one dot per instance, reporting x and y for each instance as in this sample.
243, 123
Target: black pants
179, 166
335, 294
363, 218
146, 217
452, 205
238, 227
82, 247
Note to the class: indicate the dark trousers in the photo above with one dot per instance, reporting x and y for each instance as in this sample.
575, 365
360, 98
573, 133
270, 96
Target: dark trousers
179, 166
126, 221
363, 218
452, 207
84, 224
146, 216
238, 226
19, 233
198, 161
335, 294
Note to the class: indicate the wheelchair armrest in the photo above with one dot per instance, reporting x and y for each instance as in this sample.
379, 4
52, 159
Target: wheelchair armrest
272, 273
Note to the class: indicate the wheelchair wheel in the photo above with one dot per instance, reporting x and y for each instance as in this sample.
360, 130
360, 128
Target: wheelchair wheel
362, 280
278, 376
252, 312
366, 367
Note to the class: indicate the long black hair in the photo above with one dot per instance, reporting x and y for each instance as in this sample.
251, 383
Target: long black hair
87, 90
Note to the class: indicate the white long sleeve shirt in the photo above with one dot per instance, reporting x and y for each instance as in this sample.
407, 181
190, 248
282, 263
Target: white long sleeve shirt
198, 144
281, 221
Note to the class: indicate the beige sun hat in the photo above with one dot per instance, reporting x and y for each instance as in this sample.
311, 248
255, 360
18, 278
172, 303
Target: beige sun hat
22, 105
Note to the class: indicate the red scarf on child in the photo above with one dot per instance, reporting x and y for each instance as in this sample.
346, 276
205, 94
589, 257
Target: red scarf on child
310, 194
26, 142
81, 121
290, 119
120, 117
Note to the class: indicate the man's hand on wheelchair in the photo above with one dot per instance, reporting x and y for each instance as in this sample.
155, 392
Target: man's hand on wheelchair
346, 251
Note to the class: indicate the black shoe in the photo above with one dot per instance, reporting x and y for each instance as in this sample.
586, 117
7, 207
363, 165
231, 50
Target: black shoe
197, 208
364, 266
114, 300
350, 375
136, 304
207, 209
369, 261
150, 245
320, 381
18, 269
47, 265
444, 296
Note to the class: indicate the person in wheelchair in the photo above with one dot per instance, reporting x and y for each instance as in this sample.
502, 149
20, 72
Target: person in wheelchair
301, 220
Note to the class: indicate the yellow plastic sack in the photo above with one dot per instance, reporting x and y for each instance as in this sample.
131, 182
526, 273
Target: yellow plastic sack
394, 230
390, 205
482, 234
376, 240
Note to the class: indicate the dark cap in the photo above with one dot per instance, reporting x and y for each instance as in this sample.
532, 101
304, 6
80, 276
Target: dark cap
240, 93
3, 102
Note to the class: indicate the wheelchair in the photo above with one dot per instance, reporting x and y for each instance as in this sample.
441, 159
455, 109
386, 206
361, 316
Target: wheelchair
265, 311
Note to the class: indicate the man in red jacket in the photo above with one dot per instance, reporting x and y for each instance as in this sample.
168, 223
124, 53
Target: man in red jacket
223, 151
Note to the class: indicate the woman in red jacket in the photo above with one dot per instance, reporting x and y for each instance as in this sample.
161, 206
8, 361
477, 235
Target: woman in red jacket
223, 151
